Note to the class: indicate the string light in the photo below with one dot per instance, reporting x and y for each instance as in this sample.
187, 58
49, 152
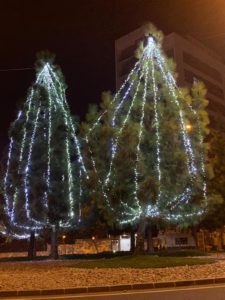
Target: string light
169, 204
156, 116
37, 121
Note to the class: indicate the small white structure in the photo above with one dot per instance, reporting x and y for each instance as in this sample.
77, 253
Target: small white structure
125, 243
121, 243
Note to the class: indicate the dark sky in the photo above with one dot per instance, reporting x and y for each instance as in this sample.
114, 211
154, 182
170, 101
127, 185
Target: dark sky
81, 33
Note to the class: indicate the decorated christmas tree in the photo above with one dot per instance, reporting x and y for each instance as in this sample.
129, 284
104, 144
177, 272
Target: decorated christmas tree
145, 148
42, 183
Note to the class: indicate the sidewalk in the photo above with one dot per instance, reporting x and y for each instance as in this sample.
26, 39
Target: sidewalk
62, 277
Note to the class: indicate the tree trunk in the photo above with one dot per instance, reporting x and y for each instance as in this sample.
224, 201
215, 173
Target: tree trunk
54, 242
150, 248
194, 234
140, 242
95, 244
221, 239
132, 241
32, 246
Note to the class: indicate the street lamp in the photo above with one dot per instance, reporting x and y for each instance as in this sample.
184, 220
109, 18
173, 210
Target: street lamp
188, 127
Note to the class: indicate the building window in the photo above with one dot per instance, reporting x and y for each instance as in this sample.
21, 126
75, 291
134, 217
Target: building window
138, 41
128, 52
170, 53
181, 241
127, 66
201, 66
211, 87
216, 107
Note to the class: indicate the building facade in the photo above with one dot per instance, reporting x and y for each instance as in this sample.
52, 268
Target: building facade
193, 61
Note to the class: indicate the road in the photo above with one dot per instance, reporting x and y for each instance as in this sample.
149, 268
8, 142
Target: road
210, 292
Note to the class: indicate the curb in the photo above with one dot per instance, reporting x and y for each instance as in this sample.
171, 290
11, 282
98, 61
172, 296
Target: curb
113, 288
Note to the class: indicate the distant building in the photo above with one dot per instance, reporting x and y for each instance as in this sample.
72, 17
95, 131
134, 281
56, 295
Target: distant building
193, 60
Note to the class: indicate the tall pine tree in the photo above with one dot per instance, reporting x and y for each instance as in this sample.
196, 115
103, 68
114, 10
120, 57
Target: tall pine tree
145, 148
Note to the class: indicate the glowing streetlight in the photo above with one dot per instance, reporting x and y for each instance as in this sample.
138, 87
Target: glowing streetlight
188, 127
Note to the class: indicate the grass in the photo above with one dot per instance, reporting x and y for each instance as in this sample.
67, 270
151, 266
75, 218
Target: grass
142, 261
22, 258
173, 253
182, 253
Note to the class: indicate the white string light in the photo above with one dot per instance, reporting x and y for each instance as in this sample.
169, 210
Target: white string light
35, 111
151, 58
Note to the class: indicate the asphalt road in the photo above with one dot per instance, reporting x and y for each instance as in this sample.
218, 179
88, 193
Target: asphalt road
210, 292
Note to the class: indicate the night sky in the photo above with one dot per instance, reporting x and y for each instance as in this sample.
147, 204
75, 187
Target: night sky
82, 33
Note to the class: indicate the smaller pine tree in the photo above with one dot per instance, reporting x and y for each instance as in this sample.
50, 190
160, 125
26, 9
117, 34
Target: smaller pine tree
42, 183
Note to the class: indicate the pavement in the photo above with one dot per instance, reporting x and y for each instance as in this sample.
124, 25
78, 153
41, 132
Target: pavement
114, 288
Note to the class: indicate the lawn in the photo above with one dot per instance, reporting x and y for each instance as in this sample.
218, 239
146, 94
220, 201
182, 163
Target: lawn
142, 261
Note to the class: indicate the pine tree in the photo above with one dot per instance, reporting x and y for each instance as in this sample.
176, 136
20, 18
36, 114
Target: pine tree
146, 150
214, 218
42, 186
